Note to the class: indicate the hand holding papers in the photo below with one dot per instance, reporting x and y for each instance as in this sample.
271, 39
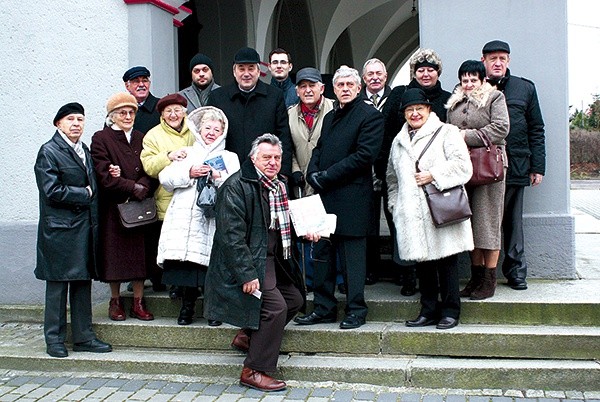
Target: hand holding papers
309, 216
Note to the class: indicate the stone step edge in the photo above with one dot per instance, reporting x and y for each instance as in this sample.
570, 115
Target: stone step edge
411, 372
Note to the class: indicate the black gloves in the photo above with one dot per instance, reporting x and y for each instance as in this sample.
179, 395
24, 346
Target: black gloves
140, 192
298, 179
317, 179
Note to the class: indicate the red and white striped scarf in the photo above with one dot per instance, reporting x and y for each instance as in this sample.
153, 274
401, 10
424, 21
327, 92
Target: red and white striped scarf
279, 209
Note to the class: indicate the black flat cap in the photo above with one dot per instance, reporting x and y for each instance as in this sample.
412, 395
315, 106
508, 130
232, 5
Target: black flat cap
69, 108
134, 72
495, 46
246, 55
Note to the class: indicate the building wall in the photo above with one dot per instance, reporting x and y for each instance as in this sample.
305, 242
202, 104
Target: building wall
539, 54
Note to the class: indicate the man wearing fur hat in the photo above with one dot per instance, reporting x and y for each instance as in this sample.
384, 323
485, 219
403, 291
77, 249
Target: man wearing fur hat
67, 234
201, 68
526, 149
137, 83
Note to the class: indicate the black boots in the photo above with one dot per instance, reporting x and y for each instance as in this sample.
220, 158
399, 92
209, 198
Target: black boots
477, 272
487, 287
188, 306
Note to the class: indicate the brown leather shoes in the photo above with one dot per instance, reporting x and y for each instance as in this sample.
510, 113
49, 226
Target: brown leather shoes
115, 309
260, 381
241, 341
138, 310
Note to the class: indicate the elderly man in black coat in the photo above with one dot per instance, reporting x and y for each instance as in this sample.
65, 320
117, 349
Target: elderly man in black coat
67, 233
252, 108
340, 170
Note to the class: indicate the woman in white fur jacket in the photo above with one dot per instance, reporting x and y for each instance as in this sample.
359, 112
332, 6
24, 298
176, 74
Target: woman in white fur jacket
187, 234
446, 164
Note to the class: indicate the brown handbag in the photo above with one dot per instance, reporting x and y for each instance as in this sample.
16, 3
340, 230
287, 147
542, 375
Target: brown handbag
137, 213
488, 163
447, 207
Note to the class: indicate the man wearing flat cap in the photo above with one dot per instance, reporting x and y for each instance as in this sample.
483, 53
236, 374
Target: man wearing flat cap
137, 83
253, 108
526, 149
201, 68
67, 234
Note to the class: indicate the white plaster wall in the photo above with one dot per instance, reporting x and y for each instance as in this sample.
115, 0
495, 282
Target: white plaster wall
53, 52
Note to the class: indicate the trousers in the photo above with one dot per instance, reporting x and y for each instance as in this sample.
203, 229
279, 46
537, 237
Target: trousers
514, 266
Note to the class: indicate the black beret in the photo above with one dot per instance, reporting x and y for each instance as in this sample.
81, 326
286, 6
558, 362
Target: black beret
134, 72
69, 108
201, 59
495, 46
246, 55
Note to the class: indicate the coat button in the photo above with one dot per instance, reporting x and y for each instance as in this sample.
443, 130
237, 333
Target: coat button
137, 169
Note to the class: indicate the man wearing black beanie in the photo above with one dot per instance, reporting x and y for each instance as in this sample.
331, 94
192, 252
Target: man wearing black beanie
201, 68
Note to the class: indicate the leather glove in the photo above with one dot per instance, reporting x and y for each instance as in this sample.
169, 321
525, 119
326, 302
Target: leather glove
140, 192
315, 179
298, 179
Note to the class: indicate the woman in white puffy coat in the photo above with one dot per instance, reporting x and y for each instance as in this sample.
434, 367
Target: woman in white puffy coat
187, 233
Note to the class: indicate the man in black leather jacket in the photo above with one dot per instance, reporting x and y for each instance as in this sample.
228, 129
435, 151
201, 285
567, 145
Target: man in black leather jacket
526, 149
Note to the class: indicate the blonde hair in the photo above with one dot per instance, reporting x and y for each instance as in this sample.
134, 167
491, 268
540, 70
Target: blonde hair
425, 56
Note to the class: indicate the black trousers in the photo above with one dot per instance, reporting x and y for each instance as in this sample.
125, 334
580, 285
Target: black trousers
55, 311
514, 266
353, 253
438, 282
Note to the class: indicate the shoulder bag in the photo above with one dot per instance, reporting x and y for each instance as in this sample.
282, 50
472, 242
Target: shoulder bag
447, 207
488, 163
137, 213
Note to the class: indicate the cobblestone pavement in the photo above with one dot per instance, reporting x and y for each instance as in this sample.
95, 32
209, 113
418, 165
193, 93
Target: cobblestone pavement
60, 386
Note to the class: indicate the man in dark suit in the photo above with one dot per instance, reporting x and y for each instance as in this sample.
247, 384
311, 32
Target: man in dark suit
340, 170
375, 90
252, 108
67, 234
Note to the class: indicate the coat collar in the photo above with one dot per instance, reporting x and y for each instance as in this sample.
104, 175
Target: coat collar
479, 96
260, 89
62, 144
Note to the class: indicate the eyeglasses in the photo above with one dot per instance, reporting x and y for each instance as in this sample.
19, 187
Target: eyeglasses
418, 109
125, 113
178, 111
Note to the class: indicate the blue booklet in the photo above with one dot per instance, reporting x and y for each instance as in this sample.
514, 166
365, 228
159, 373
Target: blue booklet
217, 163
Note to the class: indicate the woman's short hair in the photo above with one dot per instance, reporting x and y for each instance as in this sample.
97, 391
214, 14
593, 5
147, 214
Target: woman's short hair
472, 67
211, 115
265, 138
345, 71
425, 57
109, 121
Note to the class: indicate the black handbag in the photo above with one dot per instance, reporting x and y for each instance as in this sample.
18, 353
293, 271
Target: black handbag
447, 207
137, 213
488, 163
207, 196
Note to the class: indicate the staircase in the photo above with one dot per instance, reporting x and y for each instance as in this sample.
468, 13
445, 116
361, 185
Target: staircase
544, 338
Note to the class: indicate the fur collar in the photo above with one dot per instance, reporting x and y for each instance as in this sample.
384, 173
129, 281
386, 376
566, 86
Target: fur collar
478, 97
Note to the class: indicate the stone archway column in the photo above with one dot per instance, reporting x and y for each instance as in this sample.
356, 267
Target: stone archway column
458, 30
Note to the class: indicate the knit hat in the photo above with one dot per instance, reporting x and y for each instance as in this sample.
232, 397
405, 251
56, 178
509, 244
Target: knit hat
201, 59
65, 110
120, 99
134, 72
172, 99
246, 55
495, 46
413, 96
308, 74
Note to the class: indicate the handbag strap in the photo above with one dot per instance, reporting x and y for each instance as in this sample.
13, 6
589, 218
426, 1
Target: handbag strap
485, 139
427, 146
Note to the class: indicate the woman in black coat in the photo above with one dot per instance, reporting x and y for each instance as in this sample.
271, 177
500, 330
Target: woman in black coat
116, 153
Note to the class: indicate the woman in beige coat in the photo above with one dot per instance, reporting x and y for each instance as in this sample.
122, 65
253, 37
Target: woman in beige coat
477, 108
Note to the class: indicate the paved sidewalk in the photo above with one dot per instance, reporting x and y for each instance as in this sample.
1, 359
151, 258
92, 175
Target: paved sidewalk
39, 386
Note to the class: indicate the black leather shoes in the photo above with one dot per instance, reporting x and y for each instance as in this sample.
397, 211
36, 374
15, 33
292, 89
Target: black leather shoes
57, 350
447, 323
518, 284
214, 323
94, 346
313, 318
421, 321
352, 321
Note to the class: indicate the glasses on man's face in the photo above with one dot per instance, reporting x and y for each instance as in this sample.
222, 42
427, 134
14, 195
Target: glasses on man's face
411, 110
177, 111
125, 113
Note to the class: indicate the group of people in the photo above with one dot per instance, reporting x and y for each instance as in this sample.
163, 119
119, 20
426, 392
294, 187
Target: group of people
261, 145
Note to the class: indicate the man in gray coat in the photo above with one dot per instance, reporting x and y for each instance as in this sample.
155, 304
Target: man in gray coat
67, 234
201, 68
